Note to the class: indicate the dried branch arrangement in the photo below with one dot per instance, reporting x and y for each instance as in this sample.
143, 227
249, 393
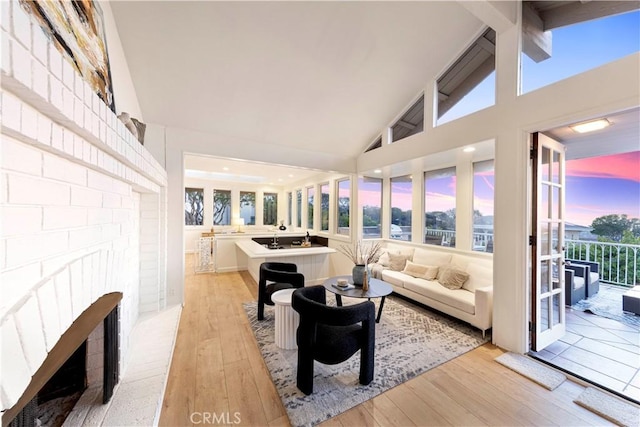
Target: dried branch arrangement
361, 253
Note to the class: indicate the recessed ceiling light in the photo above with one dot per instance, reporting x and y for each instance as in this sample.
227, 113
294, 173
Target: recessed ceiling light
469, 149
279, 179
290, 175
590, 126
225, 168
377, 171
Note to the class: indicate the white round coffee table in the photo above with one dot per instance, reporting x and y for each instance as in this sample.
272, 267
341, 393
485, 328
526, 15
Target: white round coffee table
287, 320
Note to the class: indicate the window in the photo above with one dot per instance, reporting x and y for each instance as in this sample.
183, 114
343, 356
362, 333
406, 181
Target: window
375, 144
370, 196
411, 122
310, 195
248, 207
193, 206
344, 206
221, 207
270, 209
440, 207
483, 185
289, 209
469, 85
324, 207
556, 47
299, 208
401, 200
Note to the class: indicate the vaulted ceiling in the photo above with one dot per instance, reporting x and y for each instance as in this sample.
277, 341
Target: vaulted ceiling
320, 76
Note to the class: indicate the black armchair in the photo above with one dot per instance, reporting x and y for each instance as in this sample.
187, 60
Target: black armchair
575, 283
331, 335
275, 276
593, 278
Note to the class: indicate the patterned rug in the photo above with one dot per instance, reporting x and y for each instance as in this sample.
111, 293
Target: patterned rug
409, 341
608, 303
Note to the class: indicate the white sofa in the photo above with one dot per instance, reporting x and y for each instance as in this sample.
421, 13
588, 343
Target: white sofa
473, 303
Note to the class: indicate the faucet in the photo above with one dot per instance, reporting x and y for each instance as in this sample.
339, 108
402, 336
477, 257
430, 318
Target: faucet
275, 239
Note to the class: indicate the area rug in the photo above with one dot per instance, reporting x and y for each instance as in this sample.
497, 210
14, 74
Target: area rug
608, 303
535, 371
609, 407
409, 341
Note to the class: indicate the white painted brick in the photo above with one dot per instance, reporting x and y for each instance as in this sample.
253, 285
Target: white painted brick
57, 136
44, 130
60, 169
5, 50
94, 155
40, 43
29, 326
87, 118
21, 26
11, 111
40, 82
33, 191
121, 188
23, 250
110, 200
16, 374
68, 74
63, 294
85, 197
55, 93
77, 288
16, 283
51, 265
55, 217
84, 237
21, 63
55, 61
68, 100
150, 214
29, 121
79, 88
20, 157
68, 141
95, 124
88, 93
5, 15
99, 216
18, 220
95, 106
4, 188
78, 146
47, 302
101, 182
103, 131
78, 111
87, 269
86, 151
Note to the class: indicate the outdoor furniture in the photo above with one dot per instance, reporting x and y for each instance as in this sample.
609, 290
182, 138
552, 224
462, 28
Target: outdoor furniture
275, 276
631, 300
593, 279
331, 335
575, 283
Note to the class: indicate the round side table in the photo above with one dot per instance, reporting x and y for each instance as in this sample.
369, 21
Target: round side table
287, 319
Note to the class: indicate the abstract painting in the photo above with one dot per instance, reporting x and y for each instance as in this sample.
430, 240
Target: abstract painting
76, 28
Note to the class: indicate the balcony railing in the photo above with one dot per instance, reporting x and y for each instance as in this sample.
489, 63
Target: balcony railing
619, 262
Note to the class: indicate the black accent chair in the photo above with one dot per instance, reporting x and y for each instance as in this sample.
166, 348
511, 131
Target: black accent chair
331, 335
275, 276
593, 279
575, 283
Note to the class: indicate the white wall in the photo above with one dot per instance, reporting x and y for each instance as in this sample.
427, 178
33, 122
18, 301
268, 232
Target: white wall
81, 201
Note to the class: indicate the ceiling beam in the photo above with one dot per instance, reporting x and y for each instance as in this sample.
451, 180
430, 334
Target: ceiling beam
575, 12
499, 15
536, 42
407, 125
487, 45
473, 80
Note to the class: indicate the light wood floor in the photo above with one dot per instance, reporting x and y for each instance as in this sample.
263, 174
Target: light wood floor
217, 369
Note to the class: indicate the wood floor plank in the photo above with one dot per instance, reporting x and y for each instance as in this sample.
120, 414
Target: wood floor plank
217, 368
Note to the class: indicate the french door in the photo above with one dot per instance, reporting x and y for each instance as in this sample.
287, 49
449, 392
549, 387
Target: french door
547, 297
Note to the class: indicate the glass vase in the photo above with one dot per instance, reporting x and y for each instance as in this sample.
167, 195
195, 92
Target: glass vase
358, 274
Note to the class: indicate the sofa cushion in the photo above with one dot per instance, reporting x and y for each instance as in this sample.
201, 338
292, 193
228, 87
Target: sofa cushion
578, 282
479, 277
452, 277
426, 257
398, 261
428, 272
396, 278
384, 259
593, 277
460, 299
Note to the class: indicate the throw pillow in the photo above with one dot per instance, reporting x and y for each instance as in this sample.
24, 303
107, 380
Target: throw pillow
431, 273
415, 270
397, 262
452, 277
384, 259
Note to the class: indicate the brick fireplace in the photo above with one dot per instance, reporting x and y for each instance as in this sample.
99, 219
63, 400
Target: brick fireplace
83, 208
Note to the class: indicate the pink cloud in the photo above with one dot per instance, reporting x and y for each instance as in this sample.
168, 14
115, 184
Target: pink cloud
620, 166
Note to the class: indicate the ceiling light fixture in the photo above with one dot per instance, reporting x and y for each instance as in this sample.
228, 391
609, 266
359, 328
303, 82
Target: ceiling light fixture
225, 168
469, 149
590, 126
377, 171
290, 175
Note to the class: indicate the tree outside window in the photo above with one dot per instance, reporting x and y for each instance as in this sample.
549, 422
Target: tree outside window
401, 202
299, 208
310, 196
193, 206
344, 206
270, 209
221, 207
324, 207
289, 209
248, 207
483, 184
440, 207
370, 194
